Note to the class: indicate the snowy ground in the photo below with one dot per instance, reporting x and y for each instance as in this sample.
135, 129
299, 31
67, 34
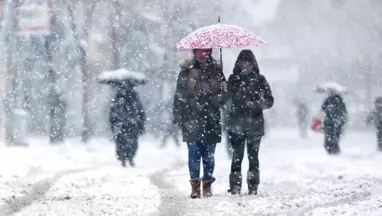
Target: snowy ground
297, 178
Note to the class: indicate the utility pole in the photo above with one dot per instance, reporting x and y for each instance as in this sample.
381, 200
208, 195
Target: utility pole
11, 40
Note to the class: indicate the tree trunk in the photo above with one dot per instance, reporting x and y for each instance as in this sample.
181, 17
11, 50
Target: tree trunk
114, 18
86, 125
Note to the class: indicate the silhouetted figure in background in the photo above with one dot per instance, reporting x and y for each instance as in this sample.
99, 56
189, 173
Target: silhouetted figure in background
127, 119
375, 118
170, 130
335, 119
57, 118
302, 117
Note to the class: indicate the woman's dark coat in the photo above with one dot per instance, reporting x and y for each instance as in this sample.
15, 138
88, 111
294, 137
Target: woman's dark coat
126, 113
248, 95
196, 106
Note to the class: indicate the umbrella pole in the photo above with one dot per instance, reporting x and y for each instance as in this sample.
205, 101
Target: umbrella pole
221, 51
221, 58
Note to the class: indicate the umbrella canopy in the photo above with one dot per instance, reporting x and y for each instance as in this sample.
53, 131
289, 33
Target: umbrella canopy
219, 36
122, 76
331, 87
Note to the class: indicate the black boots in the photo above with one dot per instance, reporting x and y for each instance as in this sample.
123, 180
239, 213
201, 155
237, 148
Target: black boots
235, 182
253, 181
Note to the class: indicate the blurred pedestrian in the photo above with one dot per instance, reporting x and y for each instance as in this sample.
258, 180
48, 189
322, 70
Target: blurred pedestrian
302, 117
335, 118
171, 131
127, 119
375, 118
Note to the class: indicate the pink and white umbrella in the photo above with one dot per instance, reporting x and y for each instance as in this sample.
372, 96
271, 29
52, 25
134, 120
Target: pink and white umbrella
219, 36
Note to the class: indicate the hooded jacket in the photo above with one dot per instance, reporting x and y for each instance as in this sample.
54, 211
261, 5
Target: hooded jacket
249, 94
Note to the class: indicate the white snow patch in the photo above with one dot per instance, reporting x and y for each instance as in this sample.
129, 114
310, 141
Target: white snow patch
121, 74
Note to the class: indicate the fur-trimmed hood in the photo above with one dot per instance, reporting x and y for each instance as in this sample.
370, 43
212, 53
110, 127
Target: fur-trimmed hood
190, 63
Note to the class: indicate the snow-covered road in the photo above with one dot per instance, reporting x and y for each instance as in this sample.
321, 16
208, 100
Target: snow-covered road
297, 178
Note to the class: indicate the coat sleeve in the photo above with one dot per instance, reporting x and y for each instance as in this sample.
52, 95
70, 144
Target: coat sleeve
112, 120
141, 115
267, 100
371, 118
219, 99
227, 95
178, 103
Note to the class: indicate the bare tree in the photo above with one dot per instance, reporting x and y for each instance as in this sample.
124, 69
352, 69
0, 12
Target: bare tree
87, 7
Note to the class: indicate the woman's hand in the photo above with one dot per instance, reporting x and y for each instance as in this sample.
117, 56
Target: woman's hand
223, 86
253, 105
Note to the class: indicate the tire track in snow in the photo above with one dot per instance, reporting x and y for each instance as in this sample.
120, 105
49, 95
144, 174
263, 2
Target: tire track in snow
355, 197
172, 202
38, 191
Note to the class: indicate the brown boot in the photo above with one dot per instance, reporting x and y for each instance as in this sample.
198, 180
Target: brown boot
195, 187
253, 180
207, 191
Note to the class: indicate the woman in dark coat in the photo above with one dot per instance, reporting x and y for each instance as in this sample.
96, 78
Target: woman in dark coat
375, 118
335, 119
378, 121
250, 94
127, 119
196, 110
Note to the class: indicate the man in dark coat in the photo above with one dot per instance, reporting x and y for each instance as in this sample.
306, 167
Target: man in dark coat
302, 117
378, 108
127, 119
196, 111
170, 130
335, 119
376, 118
250, 94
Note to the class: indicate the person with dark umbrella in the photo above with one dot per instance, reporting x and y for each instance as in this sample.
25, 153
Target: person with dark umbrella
127, 118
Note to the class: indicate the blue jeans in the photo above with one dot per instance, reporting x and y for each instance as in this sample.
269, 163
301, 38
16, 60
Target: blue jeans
196, 152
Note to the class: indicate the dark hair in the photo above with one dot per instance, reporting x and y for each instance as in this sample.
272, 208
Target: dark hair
208, 50
246, 56
378, 100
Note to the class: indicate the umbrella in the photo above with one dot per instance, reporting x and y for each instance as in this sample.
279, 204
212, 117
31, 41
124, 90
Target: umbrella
122, 76
219, 36
331, 86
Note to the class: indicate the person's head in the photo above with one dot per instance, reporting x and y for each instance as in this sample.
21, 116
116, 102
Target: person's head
202, 55
378, 102
247, 62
